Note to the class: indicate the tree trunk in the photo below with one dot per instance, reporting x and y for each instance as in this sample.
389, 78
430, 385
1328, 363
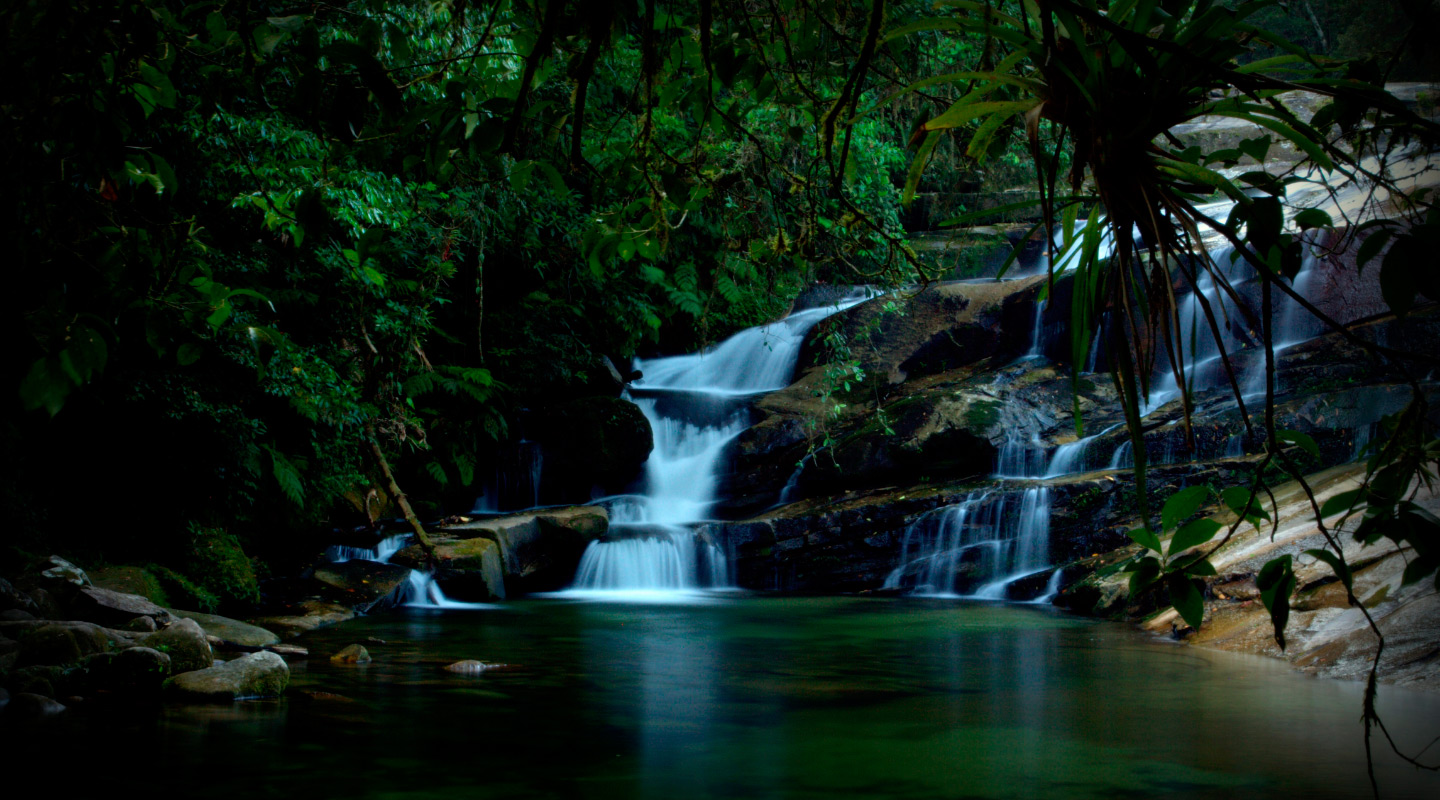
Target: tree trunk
394, 488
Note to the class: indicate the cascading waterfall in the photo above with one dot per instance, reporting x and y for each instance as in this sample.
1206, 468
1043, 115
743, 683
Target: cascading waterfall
976, 548
696, 404
420, 589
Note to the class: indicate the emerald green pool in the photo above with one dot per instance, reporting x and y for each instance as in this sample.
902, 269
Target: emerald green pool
753, 697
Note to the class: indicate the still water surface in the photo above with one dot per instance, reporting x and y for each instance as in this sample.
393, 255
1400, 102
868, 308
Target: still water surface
746, 697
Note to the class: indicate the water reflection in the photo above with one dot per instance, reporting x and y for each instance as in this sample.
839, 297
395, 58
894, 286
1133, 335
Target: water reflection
772, 698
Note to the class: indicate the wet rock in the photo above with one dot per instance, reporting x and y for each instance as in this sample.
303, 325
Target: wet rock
468, 569
471, 667
30, 707
141, 625
593, 441
229, 630
62, 572
15, 615
41, 680
114, 609
12, 599
256, 675
306, 616
184, 641
352, 654
62, 643
46, 605
364, 585
138, 669
130, 580
534, 552
289, 650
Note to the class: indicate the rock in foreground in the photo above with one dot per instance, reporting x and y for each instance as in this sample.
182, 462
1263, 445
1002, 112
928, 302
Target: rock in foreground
249, 677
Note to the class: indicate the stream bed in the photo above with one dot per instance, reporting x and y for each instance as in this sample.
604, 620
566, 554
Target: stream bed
737, 696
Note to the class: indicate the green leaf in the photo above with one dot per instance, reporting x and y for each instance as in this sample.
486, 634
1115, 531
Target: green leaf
1419, 568
1143, 573
1337, 564
1370, 248
1256, 148
1186, 598
437, 472
45, 386
1313, 218
1196, 533
1301, 440
1146, 538
1276, 583
188, 353
1240, 501
1182, 505
963, 112
287, 476
1340, 503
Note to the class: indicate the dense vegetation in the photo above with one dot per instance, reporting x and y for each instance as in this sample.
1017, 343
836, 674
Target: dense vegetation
278, 262
271, 253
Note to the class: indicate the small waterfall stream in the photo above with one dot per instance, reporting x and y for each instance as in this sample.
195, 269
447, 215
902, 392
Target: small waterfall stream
420, 590
696, 404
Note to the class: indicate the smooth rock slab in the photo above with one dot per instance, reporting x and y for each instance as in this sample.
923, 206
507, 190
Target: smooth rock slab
230, 630
362, 584
114, 609
309, 615
256, 675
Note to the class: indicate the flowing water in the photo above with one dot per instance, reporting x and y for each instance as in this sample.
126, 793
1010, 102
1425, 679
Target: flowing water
696, 404
754, 698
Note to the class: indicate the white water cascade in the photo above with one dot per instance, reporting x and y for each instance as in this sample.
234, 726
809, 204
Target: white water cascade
420, 589
696, 404
977, 548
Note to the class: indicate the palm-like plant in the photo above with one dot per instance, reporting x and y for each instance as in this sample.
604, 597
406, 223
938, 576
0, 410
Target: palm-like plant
1106, 83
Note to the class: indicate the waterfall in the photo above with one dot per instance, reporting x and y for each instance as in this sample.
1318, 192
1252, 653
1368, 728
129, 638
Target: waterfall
381, 552
697, 404
976, 548
1037, 333
420, 589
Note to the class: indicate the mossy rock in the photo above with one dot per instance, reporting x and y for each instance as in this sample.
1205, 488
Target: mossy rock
131, 580
182, 591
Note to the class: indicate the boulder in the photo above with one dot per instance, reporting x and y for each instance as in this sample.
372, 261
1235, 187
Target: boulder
364, 585
15, 615
352, 654
30, 707
62, 572
139, 669
130, 580
229, 630
62, 643
42, 680
256, 675
114, 609
592, 441
467, 569
535, 552
12, 599
184, 641
305, 616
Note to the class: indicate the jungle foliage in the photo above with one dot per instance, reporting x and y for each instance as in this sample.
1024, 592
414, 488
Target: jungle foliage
274, 255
